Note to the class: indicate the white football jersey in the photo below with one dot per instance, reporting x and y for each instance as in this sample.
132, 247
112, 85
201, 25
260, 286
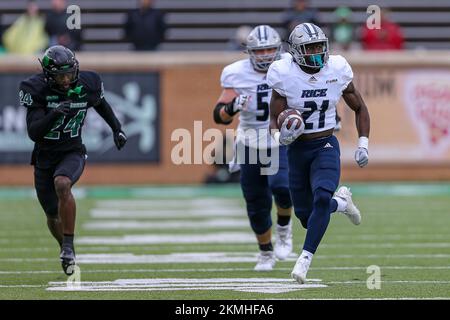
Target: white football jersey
241, 77
315, 95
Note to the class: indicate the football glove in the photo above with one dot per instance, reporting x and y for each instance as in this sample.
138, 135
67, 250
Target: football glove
63, 108
362, 153
120, 139
362, 157
239, 103
287, 136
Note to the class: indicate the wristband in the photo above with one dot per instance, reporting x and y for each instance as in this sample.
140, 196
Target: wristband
363, 142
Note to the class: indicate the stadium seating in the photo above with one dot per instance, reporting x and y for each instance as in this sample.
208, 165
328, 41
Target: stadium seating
209, 24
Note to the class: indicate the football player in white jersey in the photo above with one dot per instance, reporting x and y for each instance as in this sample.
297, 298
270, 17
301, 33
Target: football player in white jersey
245, 92
312, 81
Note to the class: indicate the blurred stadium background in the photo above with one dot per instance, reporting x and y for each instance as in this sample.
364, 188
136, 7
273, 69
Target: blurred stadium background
404, 192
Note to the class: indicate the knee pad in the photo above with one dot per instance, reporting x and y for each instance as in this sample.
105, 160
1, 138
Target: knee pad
260, 222
282, 197
322, 198
258, 210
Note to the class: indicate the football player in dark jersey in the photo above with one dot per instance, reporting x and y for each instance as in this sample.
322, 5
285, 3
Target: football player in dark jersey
57, 101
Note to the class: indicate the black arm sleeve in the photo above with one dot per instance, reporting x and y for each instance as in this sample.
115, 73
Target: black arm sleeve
106, 112
39, 123
216, 114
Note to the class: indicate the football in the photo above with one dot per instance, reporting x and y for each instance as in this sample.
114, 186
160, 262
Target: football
292, 115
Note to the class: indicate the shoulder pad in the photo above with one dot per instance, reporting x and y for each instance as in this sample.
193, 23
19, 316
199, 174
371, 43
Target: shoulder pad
90, 80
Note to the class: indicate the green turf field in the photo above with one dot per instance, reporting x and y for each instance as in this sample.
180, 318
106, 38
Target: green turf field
195, 243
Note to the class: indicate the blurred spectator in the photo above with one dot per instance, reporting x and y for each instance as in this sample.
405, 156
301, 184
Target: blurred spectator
26, 35
389, 37
300, 12
239, 40
343, 30
56, 27
145, 27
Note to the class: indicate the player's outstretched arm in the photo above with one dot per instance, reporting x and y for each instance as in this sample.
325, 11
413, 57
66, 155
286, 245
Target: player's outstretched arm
228, 105
107, 113
354, 100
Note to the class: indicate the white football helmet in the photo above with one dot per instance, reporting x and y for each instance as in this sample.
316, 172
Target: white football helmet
303, 35
263, 37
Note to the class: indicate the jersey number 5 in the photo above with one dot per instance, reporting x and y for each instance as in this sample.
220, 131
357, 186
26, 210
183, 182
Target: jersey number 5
262, 105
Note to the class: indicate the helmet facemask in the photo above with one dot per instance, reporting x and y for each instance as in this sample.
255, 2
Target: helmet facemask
63, 80
309, 55
308, 45
261, 39
262, 62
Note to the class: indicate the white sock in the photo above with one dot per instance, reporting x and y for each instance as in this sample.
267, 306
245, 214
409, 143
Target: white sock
341, 204
307, 254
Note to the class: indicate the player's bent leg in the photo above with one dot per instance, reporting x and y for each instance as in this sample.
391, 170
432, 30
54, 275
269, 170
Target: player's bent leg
319, 220
46, 194
317, 225
261, 224
66, 209
279, 185
68, 171
324, 177
259, 205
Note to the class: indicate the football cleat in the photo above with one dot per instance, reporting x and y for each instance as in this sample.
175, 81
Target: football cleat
67, 258
301, 269
283, 241
351, 211
266, 261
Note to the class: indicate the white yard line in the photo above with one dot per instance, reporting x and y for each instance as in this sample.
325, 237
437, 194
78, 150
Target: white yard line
219, 237
164, 203
168, 213
262, 285
23, 286
178, 224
